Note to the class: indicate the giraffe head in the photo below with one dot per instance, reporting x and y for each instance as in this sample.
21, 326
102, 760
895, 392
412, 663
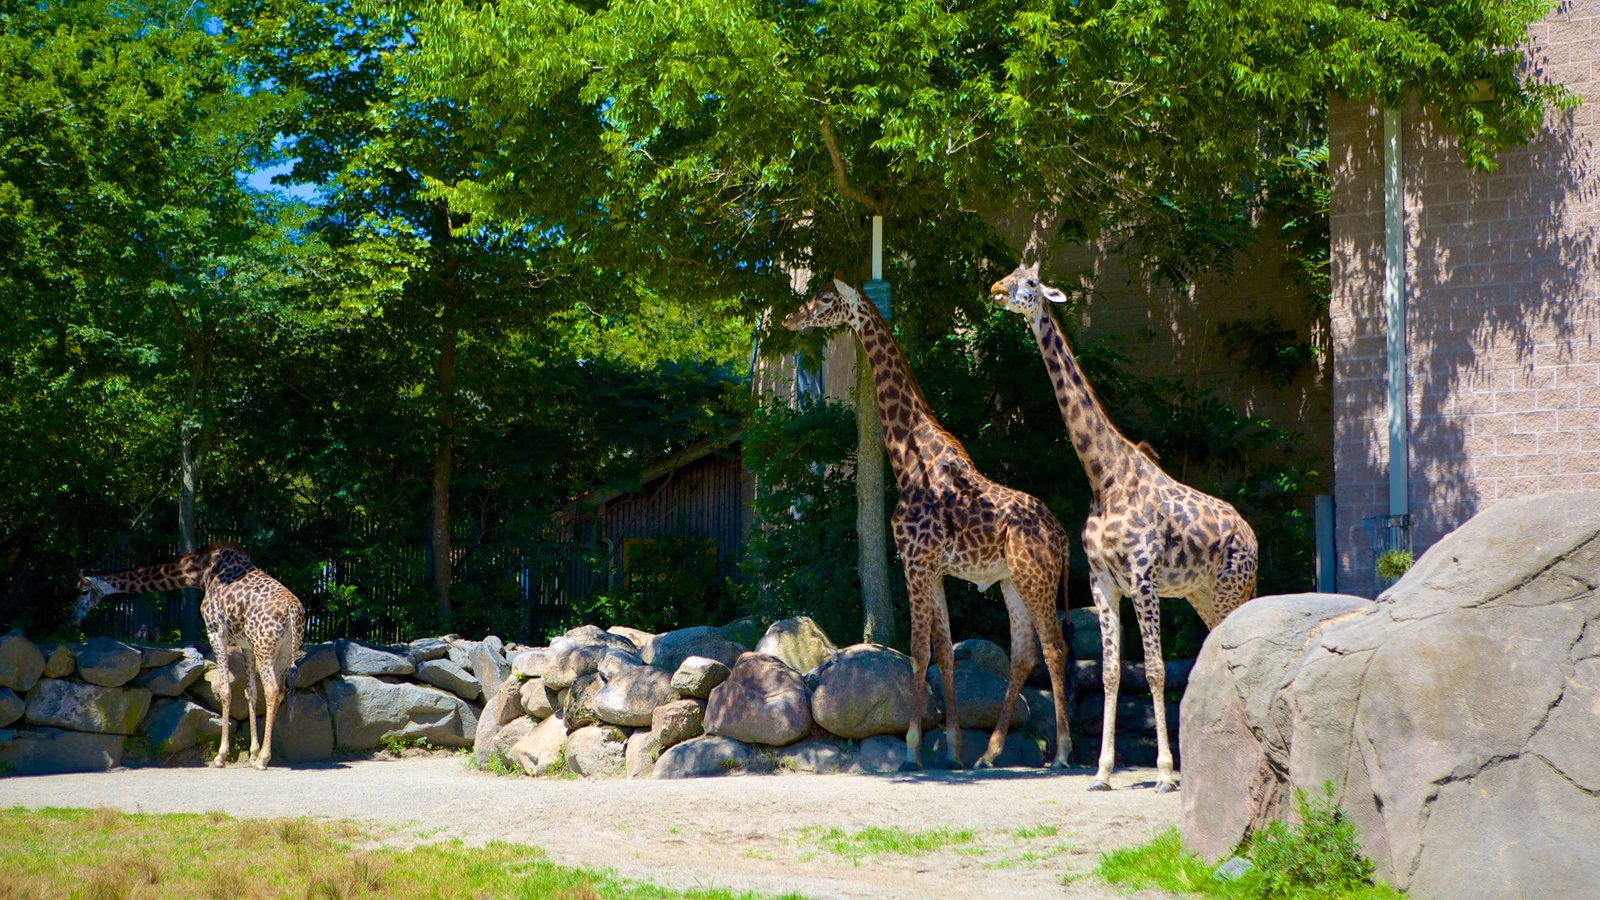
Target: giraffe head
1022, 292
840, 304
91, 590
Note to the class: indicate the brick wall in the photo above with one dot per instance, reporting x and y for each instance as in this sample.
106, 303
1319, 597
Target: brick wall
1503, 294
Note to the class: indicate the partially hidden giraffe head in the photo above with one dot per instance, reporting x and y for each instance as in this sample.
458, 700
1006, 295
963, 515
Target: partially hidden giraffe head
839, 304
1022, 292
90, 591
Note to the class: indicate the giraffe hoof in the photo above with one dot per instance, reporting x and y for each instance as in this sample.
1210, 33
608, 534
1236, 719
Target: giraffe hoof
219, 763
911, 765
1165, 787
1059, 765
1099, 786
984, 762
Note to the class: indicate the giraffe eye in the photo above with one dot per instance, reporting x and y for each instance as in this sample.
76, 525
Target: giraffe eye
1033, 282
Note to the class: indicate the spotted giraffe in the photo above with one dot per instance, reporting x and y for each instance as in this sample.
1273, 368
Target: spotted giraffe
244, 608
953, 521
1147, 536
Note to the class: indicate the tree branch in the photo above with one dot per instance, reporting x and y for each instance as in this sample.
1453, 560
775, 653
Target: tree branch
840, 180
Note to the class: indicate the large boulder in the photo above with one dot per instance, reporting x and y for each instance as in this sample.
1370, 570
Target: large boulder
570, 662
540, 749
317, 661
508, 737
303, 732
640, 754
799, 641
631, 696
530, 663
208, 688
877, 755
817, 756
678, 721
764, 701
489, 665
21, 663
597, 751
151, 657
537, 701
702, 756
1018, 750
172, 679
640, 639
594, 636
698, 675
59, 660
356, 658
365, 710
177, 725
427, 649
865, 690
50, 751
578, 708
86, 707
982, 654
669, 650
1086, 643
11, 706
614, 662
1456, 714
442, 673
503, 708
979, 695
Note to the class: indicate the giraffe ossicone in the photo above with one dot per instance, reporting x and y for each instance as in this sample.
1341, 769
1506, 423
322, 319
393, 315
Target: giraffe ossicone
244, 609
951, 520
1147, 536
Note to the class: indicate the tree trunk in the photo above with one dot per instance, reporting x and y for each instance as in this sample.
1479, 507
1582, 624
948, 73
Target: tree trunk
439, 544
877, 608
192, 437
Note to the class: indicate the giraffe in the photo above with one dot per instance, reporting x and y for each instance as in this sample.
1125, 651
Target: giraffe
953, 521
244, 608
1147, 535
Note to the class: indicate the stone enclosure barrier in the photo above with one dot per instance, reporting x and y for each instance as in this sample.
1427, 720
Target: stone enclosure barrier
597, 703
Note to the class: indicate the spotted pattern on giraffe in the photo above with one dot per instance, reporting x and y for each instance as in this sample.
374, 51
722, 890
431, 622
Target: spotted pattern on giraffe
951, 520
1147, 536
244, 609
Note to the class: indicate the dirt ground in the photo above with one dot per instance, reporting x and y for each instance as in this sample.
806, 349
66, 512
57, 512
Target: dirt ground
763, 833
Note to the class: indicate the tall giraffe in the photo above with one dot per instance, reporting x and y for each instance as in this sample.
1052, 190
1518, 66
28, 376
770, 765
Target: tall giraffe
953, 521
244, 608
1147, 536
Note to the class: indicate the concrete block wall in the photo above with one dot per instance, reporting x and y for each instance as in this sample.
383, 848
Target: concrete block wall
1503, 294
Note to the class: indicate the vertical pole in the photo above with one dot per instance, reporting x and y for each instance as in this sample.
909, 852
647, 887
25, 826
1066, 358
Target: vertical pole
1327, 562
1394, 302
877, 247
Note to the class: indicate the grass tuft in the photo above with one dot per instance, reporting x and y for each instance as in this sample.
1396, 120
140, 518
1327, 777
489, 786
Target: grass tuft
876, 841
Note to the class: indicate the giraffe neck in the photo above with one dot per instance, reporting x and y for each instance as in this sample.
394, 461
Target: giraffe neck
184, 572
911, 435
1103, 451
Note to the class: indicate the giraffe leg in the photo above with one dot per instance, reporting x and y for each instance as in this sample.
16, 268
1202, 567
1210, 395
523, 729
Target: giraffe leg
219, 649
1022, 659
272, 685
1054, 647
251, 683
919, 591
944, 653
1147, 606
1106, 600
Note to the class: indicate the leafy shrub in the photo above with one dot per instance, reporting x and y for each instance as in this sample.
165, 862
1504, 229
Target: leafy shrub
1319, 856
1393, 563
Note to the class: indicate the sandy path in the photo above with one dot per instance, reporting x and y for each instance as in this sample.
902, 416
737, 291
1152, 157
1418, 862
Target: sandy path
755, 832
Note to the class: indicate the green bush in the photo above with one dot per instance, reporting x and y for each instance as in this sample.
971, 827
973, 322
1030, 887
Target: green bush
1394, 563
1319, 856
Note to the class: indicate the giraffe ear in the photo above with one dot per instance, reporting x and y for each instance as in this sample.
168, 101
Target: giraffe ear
1034, 269
845, 290
1054, 295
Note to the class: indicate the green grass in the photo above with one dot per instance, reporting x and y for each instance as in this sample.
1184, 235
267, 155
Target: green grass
875, 841
102, 854
1162, 864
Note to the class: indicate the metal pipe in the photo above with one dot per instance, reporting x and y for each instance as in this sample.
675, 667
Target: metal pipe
877, 247
1394, 302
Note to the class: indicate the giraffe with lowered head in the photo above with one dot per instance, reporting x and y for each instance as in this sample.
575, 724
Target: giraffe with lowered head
953, 521
1148, 535
243, 607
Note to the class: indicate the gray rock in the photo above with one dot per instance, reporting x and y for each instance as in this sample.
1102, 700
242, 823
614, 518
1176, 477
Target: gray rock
985, 655
979, 695
1018, 750
640, 639
669, 650
542, 748
1135, 715
640, 755
317, 661
21, 663
536, 699
764, 701
106, 662
703, 756
678, 721
799, 642
631, 696
364, 659
614, 662
304, 730
151, 657
569, 663
208, 688
698, 675
87, 707
494, 643
877, 755
59, 660
427, 649
445, 674
489, 666
11, 706
594, 636
504, 707
511, 707
1041, 722
817, 756
597, 751
365, 710
508, 737
51, 751
866, 690
579, 710
172, 679
177, 725
1455, 715
530, 663
1085, 633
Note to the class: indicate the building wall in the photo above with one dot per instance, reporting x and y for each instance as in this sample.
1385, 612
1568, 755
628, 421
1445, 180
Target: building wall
1503, 318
